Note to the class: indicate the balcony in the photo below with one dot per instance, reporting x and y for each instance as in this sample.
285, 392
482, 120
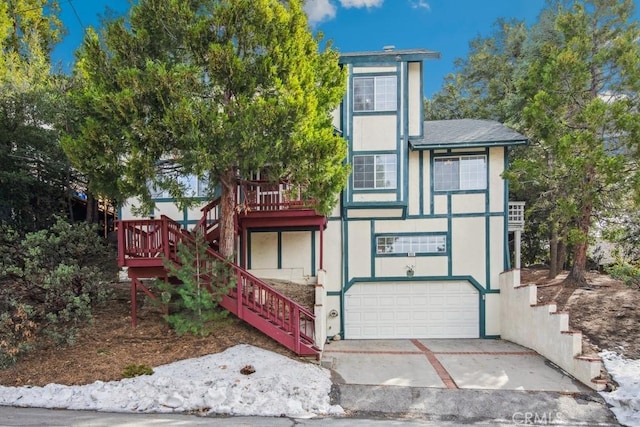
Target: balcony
516, 216
266, 204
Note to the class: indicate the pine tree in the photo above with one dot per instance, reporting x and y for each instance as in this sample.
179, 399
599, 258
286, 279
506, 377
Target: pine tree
202, 282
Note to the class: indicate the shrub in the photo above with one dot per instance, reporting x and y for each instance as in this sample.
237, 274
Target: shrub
628, 273
18, 332
134, 370
50, 280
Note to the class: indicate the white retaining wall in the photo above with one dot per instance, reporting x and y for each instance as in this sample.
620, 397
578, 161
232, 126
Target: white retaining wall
543, 329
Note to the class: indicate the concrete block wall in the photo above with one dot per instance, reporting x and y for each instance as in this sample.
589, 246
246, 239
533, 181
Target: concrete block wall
542, 328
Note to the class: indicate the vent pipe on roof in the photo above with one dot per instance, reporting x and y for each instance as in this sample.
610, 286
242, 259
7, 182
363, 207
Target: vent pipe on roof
388, 48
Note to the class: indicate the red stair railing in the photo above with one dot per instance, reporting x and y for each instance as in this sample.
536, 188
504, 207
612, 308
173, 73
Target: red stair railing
251, 299
210, 219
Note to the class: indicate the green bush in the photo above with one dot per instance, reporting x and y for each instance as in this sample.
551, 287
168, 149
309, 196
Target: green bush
134, 370
628, 273
56, 276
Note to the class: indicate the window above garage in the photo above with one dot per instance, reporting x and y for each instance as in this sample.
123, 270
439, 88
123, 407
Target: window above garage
411, 244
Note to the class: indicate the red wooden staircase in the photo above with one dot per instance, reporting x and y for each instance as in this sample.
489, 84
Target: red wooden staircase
144, 245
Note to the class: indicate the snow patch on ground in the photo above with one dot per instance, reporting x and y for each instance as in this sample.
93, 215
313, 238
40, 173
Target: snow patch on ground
211, 384
625, 400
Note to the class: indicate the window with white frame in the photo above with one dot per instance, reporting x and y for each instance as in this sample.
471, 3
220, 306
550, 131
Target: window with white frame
411, 244
378, 93
460, 173
375, 171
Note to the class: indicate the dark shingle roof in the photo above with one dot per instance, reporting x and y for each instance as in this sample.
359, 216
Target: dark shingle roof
466, 133
388, 56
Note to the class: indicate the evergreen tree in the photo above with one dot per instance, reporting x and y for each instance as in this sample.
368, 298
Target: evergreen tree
215, 88
34, 172
202, 282
583, 109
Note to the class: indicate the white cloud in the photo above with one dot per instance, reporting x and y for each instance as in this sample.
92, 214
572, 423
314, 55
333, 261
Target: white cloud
420, 4
361, 3
319, 10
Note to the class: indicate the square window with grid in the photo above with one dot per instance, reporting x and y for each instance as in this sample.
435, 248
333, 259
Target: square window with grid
375, 93
376, 171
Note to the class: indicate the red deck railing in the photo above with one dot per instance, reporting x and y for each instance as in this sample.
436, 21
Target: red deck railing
149, 242
150, 239
259, 195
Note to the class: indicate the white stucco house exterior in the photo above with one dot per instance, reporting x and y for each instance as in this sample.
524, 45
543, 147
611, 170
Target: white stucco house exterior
420, 236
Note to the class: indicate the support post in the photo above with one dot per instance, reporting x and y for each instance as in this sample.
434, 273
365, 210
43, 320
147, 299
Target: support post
134, 305
517, 234
321, 248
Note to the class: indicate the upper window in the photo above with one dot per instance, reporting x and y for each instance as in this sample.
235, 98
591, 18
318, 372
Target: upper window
193, 187
376, 171
412, 244
460, 173
375, 93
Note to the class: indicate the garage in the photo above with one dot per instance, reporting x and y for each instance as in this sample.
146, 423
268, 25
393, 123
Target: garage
387, 310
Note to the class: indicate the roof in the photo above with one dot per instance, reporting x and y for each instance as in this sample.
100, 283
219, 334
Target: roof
464, 133
388, 55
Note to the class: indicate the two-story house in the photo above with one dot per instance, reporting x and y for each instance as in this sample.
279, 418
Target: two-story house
419, 238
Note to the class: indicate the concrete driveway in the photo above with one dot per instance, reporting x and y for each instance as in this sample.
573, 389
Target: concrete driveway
463, 380
446, 363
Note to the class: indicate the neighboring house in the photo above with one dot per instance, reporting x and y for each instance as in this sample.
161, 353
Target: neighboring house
421, 234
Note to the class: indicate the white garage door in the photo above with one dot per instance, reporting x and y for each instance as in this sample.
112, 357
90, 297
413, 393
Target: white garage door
412, 310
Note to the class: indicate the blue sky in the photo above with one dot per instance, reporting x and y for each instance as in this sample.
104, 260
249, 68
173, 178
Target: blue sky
445, 26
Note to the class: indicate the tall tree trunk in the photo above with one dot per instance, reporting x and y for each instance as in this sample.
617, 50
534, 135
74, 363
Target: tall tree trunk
92, 209
553, 252
579, 267
227, 214
562, 255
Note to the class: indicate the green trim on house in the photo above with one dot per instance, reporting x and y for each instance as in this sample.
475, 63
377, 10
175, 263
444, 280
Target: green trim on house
421, 125
487, 226
401, 132
507, 254
373, 190
372, 257
449, 146
375, 113
421, 181
375, 205
450, 231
